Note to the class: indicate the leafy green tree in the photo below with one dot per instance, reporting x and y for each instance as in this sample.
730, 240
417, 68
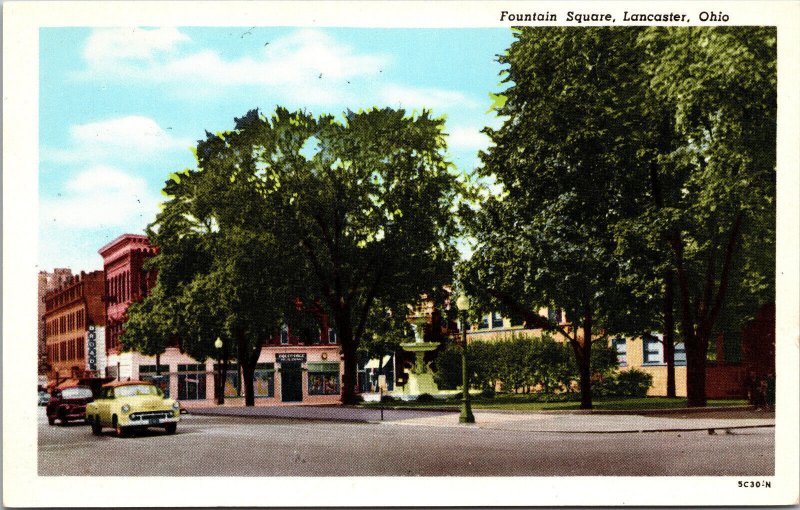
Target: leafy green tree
714, 171
365, 202
563, 157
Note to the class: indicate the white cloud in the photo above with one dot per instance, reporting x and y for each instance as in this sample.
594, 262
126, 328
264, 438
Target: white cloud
132, 132
124, 138
106, 45
298, 58
463, 138
101, 196
414, 97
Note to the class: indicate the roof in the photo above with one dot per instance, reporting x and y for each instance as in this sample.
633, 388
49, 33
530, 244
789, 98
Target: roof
123, 239
125, 383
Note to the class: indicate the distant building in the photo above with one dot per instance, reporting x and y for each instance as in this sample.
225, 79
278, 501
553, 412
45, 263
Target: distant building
735, 360
73, 318
47, 282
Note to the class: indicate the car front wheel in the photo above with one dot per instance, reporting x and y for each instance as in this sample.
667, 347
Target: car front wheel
118, 429
97, 429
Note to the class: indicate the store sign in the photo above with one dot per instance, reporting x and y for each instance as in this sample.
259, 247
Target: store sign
287, 357
91, 351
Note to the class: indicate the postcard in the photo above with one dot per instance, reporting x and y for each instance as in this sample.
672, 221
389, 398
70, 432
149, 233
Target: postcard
400, 253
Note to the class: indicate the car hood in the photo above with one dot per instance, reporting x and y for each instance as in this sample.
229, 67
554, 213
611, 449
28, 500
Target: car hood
147, 402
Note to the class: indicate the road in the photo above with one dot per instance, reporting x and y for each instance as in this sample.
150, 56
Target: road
242, 446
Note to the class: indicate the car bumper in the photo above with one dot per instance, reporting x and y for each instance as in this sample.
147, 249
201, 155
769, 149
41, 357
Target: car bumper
147, 419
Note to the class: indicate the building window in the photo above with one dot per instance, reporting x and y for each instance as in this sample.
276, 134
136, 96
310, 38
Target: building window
653, 352
264, 380
284, 334
331, 336
323, 378
621, 346
680, 355
318, 337
192, 382
232, 380
484, 323
81, 348
497, 320
555, 315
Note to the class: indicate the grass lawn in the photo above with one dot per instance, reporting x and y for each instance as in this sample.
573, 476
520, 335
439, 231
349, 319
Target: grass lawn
526, 403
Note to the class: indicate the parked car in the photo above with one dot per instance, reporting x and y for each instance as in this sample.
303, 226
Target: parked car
44, 398
130, 405
68, 404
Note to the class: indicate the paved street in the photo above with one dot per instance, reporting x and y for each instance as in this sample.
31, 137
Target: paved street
428, 445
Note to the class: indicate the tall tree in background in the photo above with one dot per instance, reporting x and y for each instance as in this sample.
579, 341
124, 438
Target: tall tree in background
716, 91
566, 161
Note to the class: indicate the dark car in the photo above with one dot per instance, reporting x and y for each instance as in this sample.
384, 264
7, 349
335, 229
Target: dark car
68, 404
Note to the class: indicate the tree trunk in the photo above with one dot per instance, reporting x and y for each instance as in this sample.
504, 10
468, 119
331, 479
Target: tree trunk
248, 357
669, 331
348, 343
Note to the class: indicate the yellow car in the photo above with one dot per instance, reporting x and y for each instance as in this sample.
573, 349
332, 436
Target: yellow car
129, 405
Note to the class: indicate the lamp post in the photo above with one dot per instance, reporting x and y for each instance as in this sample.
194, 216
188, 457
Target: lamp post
466, 409
220, 381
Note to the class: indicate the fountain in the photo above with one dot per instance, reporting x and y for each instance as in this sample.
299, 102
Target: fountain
420, 377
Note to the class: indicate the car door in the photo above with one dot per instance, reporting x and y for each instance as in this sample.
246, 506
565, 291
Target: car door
104, 405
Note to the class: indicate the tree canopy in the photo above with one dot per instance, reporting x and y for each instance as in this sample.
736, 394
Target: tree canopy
345, 214
628, 155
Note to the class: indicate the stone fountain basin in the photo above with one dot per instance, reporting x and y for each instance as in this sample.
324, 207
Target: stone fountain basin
419, 346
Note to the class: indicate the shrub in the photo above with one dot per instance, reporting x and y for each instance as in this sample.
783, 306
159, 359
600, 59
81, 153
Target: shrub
425, 397
387, 398
487, 393
633, 383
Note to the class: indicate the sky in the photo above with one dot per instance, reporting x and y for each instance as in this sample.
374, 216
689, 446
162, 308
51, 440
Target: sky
121, 108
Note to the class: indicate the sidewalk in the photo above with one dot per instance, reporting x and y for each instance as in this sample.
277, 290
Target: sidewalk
714, 420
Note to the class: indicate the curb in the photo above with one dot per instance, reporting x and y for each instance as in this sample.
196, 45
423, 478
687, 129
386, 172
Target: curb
679, 410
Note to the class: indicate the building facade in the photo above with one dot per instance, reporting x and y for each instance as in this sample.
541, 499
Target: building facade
293, 366
73, 318
47, 282
735, 361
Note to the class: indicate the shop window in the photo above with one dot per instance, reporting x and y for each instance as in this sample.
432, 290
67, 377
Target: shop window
148, 373
191, 382
264, 380
323, 378
497, 320
680, 355
653, 352
621, 346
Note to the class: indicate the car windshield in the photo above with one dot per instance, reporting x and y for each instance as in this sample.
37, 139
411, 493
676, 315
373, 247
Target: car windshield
76, 393
135, 389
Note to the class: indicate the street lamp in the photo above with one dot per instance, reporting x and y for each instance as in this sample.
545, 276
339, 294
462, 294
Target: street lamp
466, 410
220, 382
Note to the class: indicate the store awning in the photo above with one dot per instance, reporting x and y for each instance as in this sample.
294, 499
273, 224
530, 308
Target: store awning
328, 367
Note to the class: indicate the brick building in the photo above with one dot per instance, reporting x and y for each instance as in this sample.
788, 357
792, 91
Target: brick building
73, 311
293, 366
47, 282
734, 360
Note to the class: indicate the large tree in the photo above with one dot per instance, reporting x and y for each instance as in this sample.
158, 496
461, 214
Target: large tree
562, 158
712, 93
363, 202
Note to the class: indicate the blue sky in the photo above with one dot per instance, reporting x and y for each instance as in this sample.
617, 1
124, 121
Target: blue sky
120, 108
